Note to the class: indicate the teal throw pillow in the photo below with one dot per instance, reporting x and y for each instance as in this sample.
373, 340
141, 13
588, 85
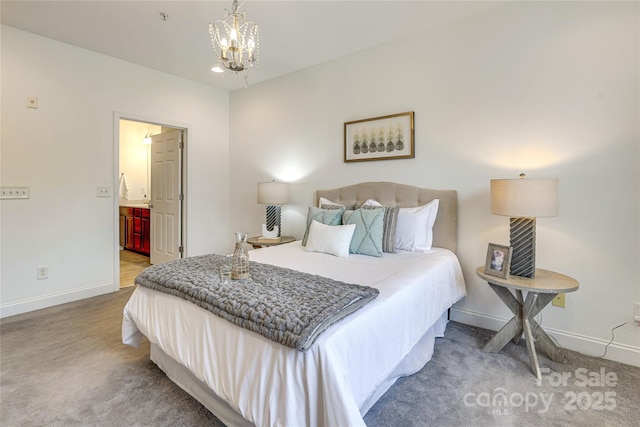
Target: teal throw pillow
367, 237
390, 224
323, 216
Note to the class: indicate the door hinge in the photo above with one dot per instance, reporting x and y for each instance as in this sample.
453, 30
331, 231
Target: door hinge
181, 197
181, 144
180, 249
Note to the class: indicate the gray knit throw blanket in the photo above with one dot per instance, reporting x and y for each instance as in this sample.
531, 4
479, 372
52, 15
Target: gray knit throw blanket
286, 306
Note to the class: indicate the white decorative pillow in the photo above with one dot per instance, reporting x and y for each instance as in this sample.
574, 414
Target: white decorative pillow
330, 239
327, 202
371, 203
414, 231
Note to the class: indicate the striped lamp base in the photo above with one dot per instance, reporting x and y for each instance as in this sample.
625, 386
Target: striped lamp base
273, 218
523, 244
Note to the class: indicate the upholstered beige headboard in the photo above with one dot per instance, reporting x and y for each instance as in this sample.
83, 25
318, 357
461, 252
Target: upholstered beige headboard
445, 229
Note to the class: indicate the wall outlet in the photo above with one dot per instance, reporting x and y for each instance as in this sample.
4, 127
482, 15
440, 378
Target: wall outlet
558, 301
104, 191
42, 272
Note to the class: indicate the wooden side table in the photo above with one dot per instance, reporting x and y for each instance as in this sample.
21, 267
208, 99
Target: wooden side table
541, 289
257, 244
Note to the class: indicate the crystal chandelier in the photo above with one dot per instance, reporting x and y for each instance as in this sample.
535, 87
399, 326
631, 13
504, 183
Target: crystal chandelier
235, 41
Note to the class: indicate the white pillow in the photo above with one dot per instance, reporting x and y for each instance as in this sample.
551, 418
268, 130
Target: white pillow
371, 203
324, 201
330, 239
414, 231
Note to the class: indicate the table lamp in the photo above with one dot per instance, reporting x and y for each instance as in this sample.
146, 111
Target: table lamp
273, 194
524, 200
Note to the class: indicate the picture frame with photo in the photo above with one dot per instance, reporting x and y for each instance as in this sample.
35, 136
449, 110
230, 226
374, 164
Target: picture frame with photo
498, 262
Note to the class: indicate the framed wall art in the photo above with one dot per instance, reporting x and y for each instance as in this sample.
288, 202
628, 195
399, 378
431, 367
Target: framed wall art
498, 260
379, 138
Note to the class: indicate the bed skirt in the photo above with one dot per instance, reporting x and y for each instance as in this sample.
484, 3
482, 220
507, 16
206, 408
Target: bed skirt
412, 363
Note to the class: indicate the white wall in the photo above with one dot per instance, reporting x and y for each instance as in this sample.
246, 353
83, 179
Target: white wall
64, 149
134, 158
546, 88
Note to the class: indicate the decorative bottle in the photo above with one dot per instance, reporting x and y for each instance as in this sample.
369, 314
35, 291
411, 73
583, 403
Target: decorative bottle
240, 258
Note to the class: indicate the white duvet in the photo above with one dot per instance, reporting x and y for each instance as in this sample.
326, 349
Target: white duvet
339, 378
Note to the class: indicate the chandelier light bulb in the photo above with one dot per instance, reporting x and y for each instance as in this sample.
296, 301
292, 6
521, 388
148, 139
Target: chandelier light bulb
224, 47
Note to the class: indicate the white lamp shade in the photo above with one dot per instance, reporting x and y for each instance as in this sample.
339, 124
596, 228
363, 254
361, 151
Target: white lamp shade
273, 193
531, 198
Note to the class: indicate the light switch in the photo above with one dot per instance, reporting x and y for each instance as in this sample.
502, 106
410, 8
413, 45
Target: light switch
104, 191
15, 192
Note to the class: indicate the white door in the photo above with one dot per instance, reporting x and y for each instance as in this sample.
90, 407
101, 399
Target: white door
166, 204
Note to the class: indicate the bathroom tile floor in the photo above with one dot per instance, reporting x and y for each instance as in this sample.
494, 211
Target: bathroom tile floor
131, 264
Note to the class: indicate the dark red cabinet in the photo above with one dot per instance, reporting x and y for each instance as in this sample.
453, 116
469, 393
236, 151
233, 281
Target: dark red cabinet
135, 229
146, 231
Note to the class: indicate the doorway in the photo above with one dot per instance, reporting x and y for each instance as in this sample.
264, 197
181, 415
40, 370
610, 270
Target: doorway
131, 264
150, 167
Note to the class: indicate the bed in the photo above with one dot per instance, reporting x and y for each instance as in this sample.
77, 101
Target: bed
247, 379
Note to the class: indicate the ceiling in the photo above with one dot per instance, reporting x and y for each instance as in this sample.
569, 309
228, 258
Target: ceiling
293, 34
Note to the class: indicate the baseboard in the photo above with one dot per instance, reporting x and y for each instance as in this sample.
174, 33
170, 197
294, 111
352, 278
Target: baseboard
44, 301
589, 346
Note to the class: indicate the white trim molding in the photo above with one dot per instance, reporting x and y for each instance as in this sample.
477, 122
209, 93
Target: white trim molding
45, 301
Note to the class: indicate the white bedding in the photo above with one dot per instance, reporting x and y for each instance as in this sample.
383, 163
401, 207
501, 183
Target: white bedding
346, 370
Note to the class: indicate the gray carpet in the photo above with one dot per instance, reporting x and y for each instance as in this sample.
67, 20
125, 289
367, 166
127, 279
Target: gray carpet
66, 366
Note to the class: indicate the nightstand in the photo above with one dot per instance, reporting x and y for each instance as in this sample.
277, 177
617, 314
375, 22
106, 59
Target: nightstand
256, 243
541, 289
